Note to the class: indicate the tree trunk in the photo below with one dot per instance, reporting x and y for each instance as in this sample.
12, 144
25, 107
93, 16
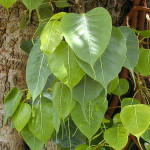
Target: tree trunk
13, 59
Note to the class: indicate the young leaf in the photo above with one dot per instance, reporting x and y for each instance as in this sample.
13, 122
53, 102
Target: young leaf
121, 88
58, 16
132, 44
21, 116
116, 137
88, 34
135, 118
94, 111
129, 101
64, 65
146, 135
62, 3
110, 63
145, 33
37, 70
62, 101
11, 102
144, 62
7, 3
51, 36
86, 90
116, 118
31, 140
41, 123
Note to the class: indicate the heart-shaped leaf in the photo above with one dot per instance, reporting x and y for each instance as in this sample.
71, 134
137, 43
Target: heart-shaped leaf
129, 101
88, 34
64, 65
7, 3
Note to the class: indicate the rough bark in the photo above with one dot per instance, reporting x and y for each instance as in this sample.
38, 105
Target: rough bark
13, 59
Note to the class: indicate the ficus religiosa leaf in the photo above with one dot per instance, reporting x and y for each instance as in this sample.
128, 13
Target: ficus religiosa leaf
129, 101
21, 116
146, 135
31, 140
58, 16
62, 3
116, 118
64, 66
37, 71
132, 44
11, 102
116, 137
51, 36
62, 100
90, 121
56, 121
87, 34
107, 67
7, 3
143, 66
41, 122
136, 118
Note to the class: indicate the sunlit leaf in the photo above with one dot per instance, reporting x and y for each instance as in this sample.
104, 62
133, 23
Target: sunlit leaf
116, 118
129, 101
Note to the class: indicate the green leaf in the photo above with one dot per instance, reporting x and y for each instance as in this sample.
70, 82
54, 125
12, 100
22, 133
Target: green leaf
11, 102
32, 4
58, 16
116, 118
94, 112
37, 70
87, 34
62, 100
146, 135
147, 146
110, 63
145, 33
135, 118
122, 87
56, 120
31, 140
129, 101
62, 3
23, 20
132, 48
7, 3
85, 147
51, 36
21, 116
64, 65
86, 90
116, 137
41, 123
144, 62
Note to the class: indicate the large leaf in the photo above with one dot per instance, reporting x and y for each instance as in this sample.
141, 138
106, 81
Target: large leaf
129, 101
88, 34
136, 118
41, 123
146, 135
86, 90
116, 137
143, 66
11, 102
94, 112
51, 36
110, 63
32, 4
31, 140
64, 65
62, 101
21, 116
7, 3
132, 48
37, 70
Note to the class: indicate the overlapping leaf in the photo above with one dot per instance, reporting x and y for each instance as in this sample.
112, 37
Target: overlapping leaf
62, 3
110, 63
7, 3
64, 65
41, 123
88, 34
37, 70
129, 101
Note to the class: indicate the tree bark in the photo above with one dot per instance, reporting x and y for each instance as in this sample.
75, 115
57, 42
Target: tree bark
13, 59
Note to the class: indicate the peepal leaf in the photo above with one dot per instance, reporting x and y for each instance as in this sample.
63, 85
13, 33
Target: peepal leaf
135, 118
116, 137
64, 65
31, 140
62, 3
94, 111
7, 3
11, 102
129, 101
41, 123
146, 135
37, 71
51, 36
107, 67
87, 34
21, 116
62, 101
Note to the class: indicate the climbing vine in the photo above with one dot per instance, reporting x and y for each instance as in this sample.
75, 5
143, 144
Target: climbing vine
73, 66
